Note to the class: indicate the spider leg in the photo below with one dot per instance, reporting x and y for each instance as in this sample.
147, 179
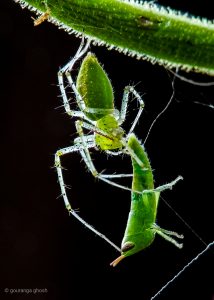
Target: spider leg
115, 153
82, 148
84, 151
76, 148
168, 232
80, 124
123, 111
58, 155
165, 186
66, 71
90, 138
167, 235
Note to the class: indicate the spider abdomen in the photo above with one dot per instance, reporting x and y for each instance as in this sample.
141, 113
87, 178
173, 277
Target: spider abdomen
95, 88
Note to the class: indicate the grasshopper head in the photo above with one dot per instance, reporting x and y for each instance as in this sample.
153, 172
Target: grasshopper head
133, 244
125, 247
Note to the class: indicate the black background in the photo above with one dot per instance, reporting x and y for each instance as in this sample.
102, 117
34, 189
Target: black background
40, 245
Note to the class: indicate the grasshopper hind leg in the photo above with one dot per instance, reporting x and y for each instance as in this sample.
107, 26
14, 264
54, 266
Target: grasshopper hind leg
167, 235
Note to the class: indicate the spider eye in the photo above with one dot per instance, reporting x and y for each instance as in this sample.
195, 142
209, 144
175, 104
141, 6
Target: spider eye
127, 246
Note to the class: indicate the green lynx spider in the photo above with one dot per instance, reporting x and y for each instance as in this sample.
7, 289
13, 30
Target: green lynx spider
94, 97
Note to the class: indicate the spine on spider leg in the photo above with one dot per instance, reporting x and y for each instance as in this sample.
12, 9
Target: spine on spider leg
144, 30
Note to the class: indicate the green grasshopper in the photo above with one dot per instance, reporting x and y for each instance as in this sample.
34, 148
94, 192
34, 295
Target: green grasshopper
141, 227
97, 114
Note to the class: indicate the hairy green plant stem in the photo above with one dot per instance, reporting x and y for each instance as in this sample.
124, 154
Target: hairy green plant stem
144, 30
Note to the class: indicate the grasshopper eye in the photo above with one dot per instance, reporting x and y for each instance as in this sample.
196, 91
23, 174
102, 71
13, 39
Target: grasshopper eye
127, 246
